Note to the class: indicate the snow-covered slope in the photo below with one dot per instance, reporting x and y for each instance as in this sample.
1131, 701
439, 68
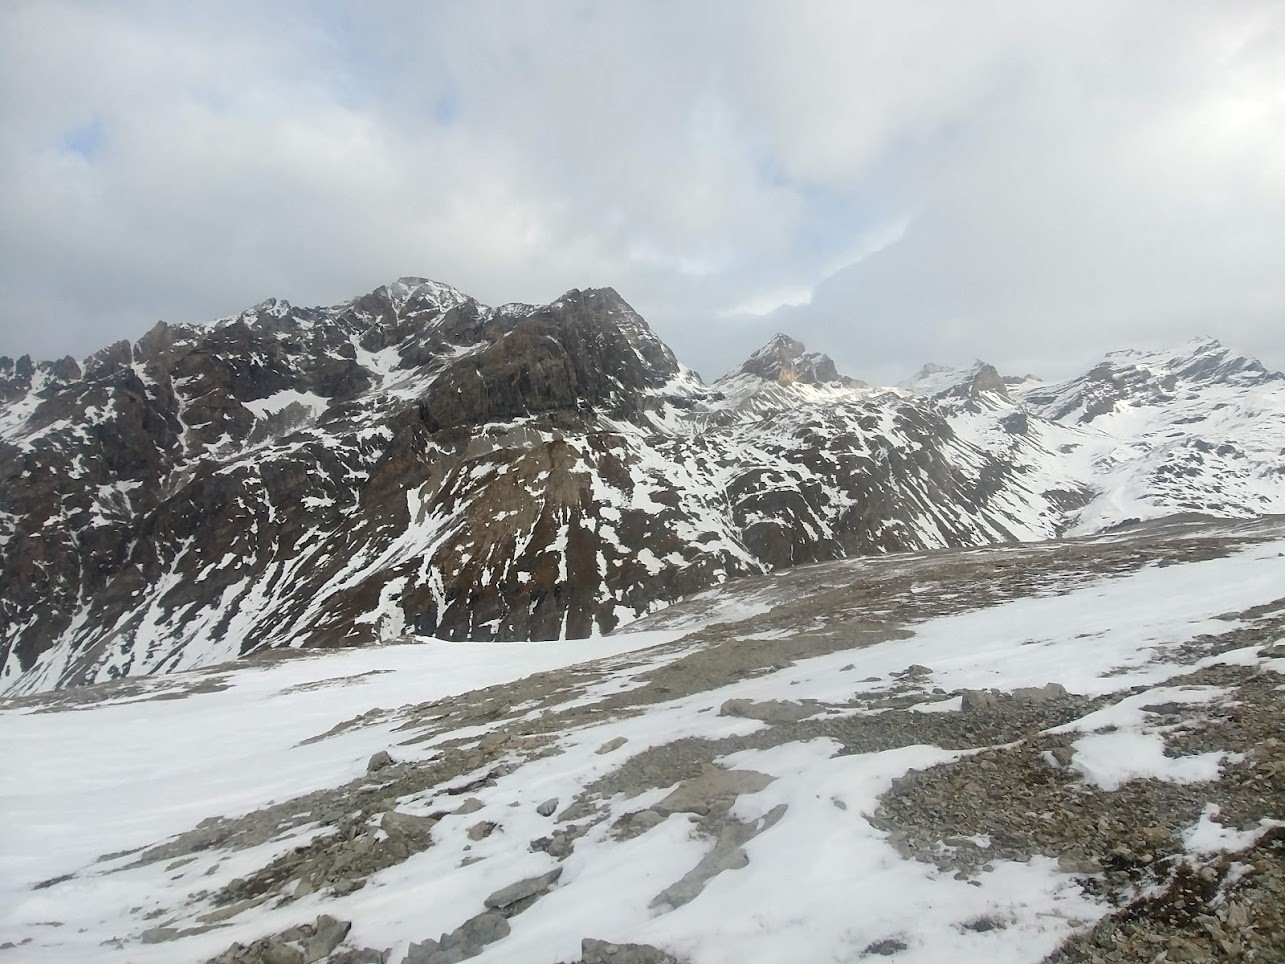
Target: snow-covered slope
836, 762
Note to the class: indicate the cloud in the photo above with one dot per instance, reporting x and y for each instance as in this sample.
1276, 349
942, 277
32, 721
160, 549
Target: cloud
1031, 183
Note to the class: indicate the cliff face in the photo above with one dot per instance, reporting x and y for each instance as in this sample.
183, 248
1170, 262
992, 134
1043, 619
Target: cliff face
414, 462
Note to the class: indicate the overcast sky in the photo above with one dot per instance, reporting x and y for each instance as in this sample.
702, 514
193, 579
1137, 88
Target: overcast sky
1031, 183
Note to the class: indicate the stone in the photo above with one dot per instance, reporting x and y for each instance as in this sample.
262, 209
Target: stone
481, 830
419, 952
328, 934
613, 744
979, 701
398, 824
601, 952
379, 761
478, 931
770, 711
494, 741
546, 809
1063, 755
1037, 695
522, 889
471, 805
360, 955
159, 935
644, 820
915, 671
1181, 949
1077, 862
346, 885
713, 786
279, 953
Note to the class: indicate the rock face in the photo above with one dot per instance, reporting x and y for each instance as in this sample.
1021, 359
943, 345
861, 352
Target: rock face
786, 361
413, 463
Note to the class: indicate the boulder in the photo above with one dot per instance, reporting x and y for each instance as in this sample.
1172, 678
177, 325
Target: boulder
531, 886
602, 952
770, 711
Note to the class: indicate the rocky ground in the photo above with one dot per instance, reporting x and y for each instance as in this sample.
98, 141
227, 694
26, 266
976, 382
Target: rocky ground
1134, 767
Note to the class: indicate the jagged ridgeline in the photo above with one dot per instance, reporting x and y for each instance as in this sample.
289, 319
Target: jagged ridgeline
414, 462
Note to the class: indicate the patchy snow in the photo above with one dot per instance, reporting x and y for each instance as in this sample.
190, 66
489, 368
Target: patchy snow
1109, 760
276, 403
1208, 836
121, 774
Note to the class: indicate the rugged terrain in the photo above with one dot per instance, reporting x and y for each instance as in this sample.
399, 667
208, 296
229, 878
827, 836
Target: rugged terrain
1063, 751
415, 462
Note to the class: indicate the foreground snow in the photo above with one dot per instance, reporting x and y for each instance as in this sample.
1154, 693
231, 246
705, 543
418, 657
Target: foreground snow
821, 884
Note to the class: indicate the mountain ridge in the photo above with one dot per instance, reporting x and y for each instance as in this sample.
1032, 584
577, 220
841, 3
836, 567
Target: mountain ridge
413, 462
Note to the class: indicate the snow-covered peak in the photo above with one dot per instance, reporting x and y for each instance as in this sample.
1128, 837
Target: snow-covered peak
273, 307
1200, 360
422, 292
786, 362
1149, 377
934, 380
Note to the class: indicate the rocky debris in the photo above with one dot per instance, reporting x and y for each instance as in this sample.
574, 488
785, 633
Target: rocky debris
1231, 909
915, 671
378, 761
1011, 797
304, 944
481, 830
522, 890
560, 844
337, 862
615, 743
770, 711
603, 952
471, 805
546, 809
467, 940
994, 701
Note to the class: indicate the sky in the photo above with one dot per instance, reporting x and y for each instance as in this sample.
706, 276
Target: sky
1033, 184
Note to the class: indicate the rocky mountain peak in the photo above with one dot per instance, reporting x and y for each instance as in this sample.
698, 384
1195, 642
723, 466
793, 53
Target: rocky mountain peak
415, 292
944, 381
787, 362
1150, 377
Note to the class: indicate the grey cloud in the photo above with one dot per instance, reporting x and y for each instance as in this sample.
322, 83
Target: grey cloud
1071, 177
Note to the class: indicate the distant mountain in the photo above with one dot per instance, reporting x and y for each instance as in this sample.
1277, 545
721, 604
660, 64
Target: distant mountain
414, 462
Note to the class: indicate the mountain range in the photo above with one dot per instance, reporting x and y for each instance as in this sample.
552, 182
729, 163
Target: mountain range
414, 463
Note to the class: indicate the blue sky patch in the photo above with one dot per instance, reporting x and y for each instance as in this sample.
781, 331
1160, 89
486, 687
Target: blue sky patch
87, 140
